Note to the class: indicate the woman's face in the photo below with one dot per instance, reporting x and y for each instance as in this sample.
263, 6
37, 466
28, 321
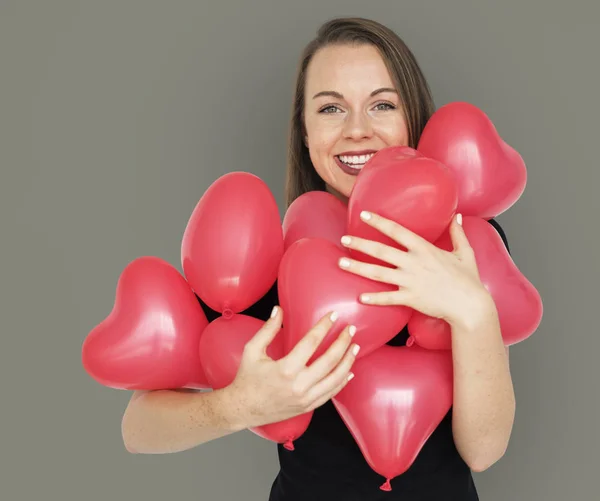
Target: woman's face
351, 111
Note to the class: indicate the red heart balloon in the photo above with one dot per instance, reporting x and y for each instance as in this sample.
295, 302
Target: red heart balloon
400, 184
221, 350
315, 214
491, 175
150, 338
311, 284
233, 243
518, 302
429, 332
395, 402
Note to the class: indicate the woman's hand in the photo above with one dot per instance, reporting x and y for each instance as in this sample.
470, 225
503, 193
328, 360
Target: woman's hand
431, 280
447, 285
267, 391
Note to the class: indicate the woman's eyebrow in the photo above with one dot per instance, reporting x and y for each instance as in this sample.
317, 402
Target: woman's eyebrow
337, 95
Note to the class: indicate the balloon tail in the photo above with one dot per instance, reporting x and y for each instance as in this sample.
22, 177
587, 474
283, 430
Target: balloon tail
289, 444
227, 313
410, 341
386, 486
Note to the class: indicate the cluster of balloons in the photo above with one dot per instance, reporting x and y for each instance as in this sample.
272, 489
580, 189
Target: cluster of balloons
235, 247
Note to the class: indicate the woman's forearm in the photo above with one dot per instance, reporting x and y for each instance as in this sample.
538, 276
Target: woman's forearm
167, 421
484, 401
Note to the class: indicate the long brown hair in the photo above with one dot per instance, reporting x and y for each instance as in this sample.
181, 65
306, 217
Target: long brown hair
414, 91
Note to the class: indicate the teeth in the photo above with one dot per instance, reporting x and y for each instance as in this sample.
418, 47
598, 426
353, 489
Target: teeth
356, 159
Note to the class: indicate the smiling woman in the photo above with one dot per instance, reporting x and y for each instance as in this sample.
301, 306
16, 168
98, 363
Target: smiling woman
352, 110
351, 161
359, 89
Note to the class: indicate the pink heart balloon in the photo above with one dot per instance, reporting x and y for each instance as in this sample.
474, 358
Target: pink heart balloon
395, 402
491, 175
149, 341
311, 284
400, 184
518, 302
221, 349
233, 243
315, 214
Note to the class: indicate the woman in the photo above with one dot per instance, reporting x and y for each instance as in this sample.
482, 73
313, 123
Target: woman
359, 89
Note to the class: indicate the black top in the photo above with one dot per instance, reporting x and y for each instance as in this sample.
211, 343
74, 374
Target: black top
328, 465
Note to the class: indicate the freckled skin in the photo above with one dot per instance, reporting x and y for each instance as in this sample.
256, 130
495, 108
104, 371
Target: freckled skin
358, 121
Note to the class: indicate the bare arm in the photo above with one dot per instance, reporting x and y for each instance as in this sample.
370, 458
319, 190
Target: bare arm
447, 285
484, 400
264, 391
166, 421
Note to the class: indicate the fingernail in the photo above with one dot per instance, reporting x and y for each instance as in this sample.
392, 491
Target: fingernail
334, 316
274, 312
344, 262
352, 330
346, 240
356, 349
365, 216
364, 298
350, 376
459, 219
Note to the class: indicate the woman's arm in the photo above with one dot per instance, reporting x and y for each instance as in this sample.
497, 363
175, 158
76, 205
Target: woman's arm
165, 421
484, 407
484, 400
263, 391
447, 285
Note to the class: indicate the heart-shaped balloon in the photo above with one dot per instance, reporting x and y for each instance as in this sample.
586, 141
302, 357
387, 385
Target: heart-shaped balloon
233, 243
311, 284
221, 349
150, 339
395, 402
491, 175
518, 302
400, 184
315, 214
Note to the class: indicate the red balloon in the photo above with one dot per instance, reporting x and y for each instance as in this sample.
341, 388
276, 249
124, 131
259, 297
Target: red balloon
395, 402
429, 332
221, 349
400, 184
491, 175
311, 284
233, 243
518, 302
315, 214
149, 341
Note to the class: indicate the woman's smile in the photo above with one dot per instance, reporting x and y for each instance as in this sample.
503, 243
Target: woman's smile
352, 162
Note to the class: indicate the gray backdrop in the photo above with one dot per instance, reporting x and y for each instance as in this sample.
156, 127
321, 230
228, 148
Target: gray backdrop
115, 116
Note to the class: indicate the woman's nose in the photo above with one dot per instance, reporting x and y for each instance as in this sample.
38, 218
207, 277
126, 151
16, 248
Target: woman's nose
358, 126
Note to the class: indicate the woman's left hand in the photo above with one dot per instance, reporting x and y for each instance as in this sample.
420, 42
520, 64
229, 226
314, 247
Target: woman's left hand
431, 280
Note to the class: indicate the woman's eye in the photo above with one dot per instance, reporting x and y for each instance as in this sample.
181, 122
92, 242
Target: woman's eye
388, 105
331, 107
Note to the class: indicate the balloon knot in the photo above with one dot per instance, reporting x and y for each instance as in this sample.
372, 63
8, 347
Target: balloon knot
227, 313
386, 486
410, 341
289, 444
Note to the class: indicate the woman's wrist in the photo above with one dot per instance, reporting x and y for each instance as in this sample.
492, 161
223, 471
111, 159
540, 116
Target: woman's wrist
477, 313
232, 408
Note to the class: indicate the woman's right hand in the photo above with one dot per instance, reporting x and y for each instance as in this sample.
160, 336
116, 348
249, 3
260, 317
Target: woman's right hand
266, 391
